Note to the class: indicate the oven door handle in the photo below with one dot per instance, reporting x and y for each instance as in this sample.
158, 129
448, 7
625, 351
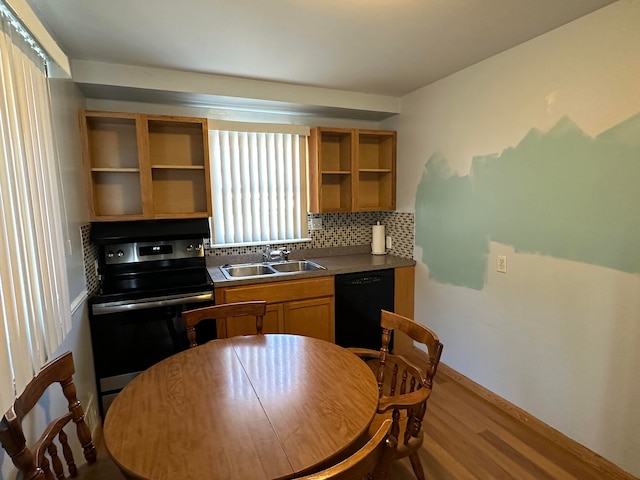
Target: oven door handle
129, 305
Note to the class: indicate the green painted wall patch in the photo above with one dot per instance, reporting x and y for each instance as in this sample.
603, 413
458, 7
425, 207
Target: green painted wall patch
560, 193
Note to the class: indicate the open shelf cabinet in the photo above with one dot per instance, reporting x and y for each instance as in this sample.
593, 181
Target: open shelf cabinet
352, 170
376, 157
146, 166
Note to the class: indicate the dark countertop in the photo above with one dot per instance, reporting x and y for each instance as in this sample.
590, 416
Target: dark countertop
335, 264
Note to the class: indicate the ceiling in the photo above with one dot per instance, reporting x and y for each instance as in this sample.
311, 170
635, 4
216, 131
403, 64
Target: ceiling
384, 48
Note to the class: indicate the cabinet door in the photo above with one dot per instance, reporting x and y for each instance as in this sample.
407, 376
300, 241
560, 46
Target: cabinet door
313, 318
247, 325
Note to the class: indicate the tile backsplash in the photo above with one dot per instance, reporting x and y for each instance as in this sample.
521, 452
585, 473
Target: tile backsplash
90, 257
347, 229
338, 230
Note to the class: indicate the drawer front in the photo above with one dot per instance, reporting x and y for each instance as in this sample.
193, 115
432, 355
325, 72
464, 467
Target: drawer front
281, 291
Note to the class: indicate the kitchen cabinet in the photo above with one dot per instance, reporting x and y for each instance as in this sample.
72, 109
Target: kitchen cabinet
312, 318
404, 295
352, 170
303, 307
141, 166
273, 321
404, 291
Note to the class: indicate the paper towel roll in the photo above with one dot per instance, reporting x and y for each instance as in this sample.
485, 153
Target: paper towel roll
378, 238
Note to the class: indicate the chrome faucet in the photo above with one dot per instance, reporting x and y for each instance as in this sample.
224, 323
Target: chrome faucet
284, 253
266, 253
279, 254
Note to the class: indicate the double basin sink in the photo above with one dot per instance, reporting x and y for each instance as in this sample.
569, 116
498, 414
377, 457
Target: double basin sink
244, 270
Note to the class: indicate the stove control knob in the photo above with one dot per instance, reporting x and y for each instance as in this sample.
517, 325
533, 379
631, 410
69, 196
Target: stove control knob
109, 254
120, 253
199, 247
190, 248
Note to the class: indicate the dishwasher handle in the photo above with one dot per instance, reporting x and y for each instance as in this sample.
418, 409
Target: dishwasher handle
368, 280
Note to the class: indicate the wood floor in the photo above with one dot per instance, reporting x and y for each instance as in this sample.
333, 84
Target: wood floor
468, 438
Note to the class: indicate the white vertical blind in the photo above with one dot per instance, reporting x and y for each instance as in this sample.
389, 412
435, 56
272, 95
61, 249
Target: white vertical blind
34, 301
258, 187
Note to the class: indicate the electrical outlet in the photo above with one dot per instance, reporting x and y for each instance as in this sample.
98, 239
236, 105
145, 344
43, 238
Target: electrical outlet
502, 263
316, 223
389, 242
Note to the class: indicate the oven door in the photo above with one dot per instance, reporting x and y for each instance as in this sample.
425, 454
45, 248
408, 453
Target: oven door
129, 337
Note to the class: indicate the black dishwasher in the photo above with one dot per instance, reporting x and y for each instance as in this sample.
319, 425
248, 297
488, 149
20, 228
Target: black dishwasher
359, 297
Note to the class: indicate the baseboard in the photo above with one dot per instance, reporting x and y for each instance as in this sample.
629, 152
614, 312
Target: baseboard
592, 458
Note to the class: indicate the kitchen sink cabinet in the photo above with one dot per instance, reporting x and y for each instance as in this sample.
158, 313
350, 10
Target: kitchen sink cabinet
312, 318
303, 307
352, 170
273, 321
145, 166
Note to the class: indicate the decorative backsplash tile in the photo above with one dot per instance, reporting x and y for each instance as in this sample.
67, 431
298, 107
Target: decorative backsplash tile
346, 229
338, 230
90, 255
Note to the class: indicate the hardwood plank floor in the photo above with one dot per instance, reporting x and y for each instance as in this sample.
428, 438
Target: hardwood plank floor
469, 438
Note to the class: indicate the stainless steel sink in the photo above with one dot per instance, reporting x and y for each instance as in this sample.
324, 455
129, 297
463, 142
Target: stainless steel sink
296, 266
246, 270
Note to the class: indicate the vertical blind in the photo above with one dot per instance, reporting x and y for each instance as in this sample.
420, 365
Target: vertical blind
34, 298
259, 187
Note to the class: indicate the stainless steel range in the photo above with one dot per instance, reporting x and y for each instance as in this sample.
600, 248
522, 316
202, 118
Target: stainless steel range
151, 272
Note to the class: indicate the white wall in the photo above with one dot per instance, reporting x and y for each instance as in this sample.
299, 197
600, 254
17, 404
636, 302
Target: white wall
558, 338
67, 101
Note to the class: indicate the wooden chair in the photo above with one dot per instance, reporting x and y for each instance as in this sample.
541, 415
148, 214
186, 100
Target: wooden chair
404, 386
371, 462
32, 463
191, 318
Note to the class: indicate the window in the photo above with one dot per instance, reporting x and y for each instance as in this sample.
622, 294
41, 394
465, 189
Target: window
34, 299
258, 183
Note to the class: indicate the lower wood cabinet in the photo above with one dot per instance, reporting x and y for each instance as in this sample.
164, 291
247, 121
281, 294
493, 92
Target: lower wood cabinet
404, 305
404, 294
303, 307
313, 318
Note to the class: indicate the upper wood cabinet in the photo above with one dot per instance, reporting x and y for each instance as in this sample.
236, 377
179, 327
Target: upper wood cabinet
352, 170
145, 166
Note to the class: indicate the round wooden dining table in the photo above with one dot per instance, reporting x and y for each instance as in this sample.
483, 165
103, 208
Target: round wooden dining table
250, 407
